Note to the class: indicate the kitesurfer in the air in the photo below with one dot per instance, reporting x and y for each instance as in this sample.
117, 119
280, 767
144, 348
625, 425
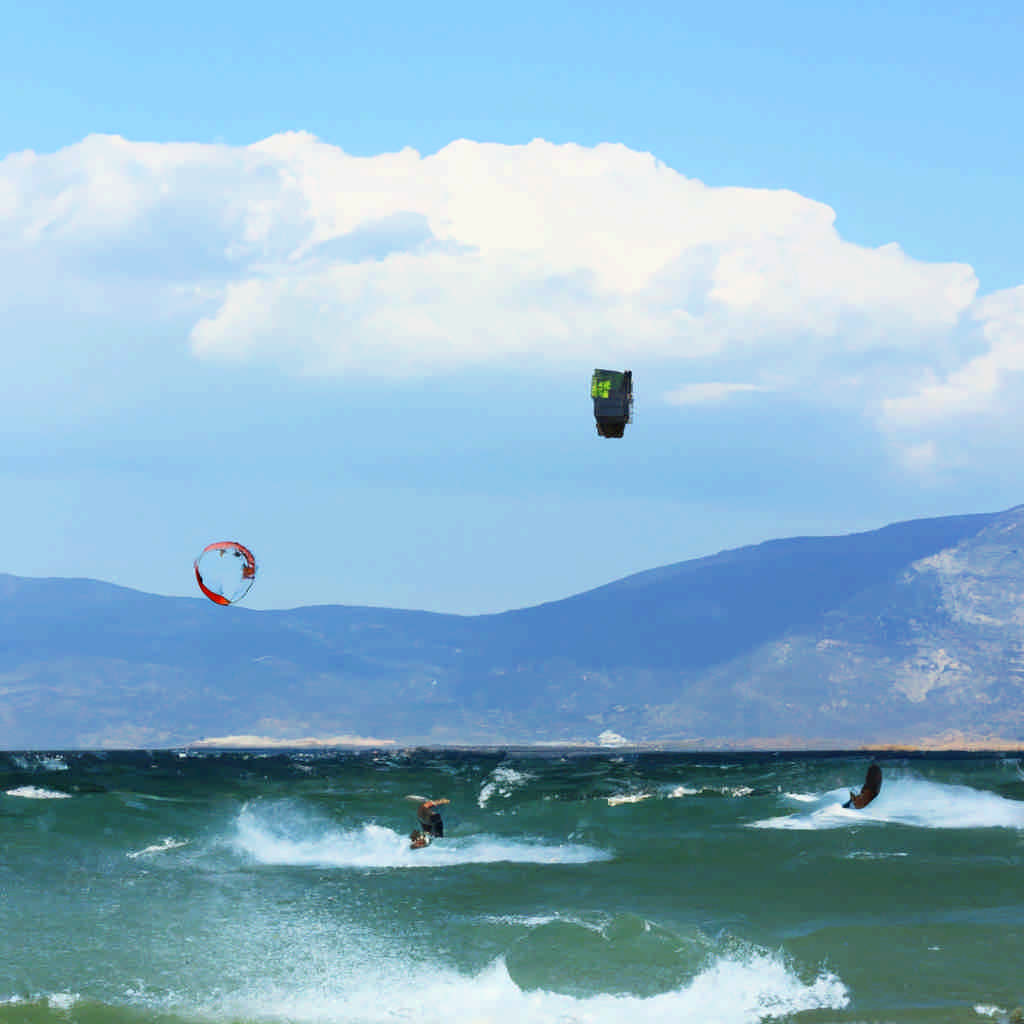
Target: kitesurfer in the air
870, 789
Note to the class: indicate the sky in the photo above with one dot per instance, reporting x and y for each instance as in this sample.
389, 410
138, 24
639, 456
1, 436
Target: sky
332, 281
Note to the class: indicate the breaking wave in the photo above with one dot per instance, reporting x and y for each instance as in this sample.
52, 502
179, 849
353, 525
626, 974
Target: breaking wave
503, 782
729, 991
280, 836
916, 802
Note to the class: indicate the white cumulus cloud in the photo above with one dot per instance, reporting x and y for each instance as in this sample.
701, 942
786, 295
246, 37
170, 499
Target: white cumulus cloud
979, 382
708, 391
295, 255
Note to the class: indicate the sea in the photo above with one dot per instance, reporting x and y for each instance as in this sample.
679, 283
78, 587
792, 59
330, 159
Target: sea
174, 886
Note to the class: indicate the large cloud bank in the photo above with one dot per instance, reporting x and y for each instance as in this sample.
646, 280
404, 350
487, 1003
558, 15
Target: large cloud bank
292, 254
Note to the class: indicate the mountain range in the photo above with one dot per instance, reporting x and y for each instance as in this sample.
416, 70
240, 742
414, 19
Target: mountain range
908, 635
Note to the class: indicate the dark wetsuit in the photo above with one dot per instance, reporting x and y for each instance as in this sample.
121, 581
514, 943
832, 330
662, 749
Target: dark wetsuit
430, 821
433, 826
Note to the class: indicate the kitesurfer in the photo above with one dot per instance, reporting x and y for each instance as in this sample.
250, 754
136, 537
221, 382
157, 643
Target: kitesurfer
870, 789
430, 818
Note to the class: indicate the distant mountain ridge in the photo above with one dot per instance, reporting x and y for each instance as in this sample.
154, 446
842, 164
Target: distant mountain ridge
893, 635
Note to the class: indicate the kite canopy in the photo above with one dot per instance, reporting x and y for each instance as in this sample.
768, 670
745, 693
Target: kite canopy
225, 571
612, 392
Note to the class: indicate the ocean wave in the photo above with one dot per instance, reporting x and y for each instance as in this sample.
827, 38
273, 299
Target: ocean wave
907, 801
739, 986
40, 762
503, 781
677, 792
286, 839
731, 990
680, 791
542, 920
162, 847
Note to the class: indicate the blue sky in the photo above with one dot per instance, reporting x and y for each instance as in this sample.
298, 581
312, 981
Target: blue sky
257, 289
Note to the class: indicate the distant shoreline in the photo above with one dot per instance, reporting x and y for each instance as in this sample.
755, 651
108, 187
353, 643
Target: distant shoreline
545, 750
955, 744
248, 742
952, 744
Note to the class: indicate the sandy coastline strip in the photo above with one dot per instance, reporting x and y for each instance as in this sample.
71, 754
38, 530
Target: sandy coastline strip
271, 742
950, 740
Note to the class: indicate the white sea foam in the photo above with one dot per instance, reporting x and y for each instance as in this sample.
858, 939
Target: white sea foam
731, 791
522, 920
299, 841
138, 799
679, 791
40, 762
539, 920
166, 844
628, 798
55, 1000
38, 793
503, 781
875, 854
736, 791
730, 991
908, 801
987, 1010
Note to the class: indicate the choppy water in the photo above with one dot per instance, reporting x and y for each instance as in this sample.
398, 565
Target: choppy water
171, 887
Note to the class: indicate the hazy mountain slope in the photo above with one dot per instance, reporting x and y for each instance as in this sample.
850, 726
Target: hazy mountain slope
908, 630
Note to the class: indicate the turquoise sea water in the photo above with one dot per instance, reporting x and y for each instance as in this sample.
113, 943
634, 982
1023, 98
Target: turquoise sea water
174, 886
